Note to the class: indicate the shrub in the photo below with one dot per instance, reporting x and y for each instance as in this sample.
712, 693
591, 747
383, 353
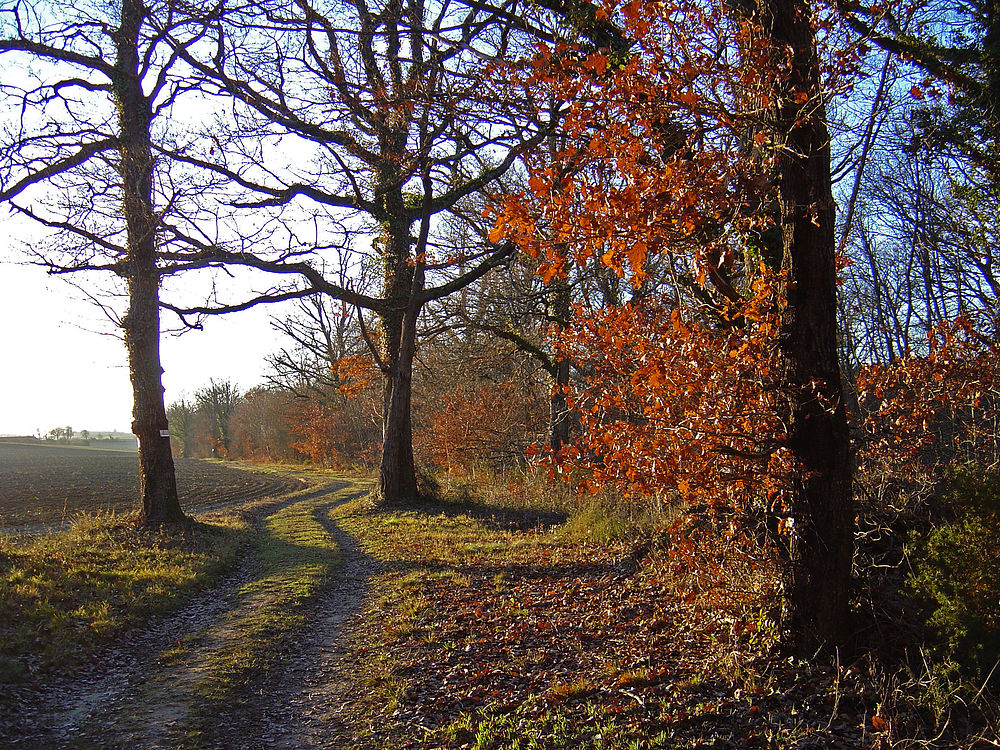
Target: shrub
956, 570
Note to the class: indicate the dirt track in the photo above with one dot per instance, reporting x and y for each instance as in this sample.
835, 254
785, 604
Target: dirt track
132, 699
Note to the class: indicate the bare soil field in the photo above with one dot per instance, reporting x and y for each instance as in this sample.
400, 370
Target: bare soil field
44, 484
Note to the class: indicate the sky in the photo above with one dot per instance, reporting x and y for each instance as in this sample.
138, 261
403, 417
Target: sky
58, 369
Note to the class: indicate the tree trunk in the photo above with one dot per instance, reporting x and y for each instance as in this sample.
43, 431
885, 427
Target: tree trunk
559, 302
819, 506
397, 474
157, 483
559, 408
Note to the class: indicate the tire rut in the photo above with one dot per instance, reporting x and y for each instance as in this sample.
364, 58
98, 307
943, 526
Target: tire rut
128, 698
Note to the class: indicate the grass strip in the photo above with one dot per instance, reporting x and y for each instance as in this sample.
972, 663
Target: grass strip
65, 595
297, 557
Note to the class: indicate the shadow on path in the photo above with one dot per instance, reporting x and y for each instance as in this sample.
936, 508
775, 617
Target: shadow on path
130, 698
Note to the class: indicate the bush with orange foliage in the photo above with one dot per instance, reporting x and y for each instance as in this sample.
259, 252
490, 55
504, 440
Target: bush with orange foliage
261, 426
922, 414
343, 428
678, 408
491, 421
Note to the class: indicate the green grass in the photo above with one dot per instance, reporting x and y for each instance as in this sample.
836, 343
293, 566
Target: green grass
592, 522
65, 595
297, 556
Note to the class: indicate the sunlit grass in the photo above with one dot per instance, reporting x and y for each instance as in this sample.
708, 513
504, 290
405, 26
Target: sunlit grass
65, 595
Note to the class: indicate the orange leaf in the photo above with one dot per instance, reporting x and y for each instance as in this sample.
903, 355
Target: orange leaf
637, 255
537, 184
597, 64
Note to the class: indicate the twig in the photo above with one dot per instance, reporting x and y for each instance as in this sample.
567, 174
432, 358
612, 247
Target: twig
986, 681
836, 699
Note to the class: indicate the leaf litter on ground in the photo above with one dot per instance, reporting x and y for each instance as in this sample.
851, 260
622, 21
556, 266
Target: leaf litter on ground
486, 635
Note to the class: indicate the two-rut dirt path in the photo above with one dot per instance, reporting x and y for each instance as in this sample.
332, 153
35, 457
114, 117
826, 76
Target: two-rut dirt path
133, 698
308, 701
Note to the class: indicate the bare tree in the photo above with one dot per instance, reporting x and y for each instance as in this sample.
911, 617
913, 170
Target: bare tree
923, 248
181, 417
398, 115
320, 331
91, 86
217, 401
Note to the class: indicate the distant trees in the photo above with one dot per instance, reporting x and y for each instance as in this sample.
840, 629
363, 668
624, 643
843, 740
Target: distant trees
262, 426
481, 402
327, 366
60, 433
181, 418
202, 426
216, 402
333, 428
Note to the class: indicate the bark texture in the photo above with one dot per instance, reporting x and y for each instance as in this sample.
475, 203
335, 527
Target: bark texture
559, 313
157, 482
397, 473
819, 504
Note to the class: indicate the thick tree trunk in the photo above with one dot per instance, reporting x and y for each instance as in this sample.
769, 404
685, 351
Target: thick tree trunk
559, 313
157, 483
819, 507
559, 408
397, 473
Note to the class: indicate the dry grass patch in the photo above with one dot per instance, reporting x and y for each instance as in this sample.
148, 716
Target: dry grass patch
65, 595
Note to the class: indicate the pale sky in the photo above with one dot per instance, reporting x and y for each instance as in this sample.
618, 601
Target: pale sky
55, 371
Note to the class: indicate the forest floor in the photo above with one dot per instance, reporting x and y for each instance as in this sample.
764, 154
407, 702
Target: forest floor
450, 625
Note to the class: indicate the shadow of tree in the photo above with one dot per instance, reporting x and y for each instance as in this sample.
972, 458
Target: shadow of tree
495, 516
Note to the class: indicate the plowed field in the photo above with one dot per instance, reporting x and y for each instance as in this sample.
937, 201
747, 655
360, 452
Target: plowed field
42, 484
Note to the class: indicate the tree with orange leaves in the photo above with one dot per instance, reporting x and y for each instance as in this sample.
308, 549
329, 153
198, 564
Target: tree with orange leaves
675, 406
925, 413
709, 144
